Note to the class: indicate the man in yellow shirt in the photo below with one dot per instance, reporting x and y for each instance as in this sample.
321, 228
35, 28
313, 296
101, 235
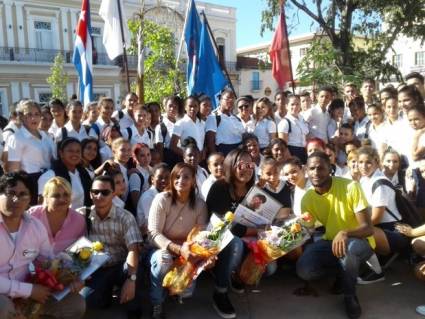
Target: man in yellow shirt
341, 207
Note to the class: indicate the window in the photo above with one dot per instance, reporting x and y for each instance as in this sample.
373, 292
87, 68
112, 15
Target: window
97, 96
303, 52
255, 83
97, 39
43, 35
397, 60
44, 97
420, 58
221, 49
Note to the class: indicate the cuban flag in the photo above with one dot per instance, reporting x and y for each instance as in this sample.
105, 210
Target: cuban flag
83, 57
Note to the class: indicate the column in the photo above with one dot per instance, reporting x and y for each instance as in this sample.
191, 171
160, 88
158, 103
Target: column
16, 96
64, 26
9, 24
20, 24
25, 90
117, 95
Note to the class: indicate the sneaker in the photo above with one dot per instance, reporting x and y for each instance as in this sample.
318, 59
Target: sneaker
370, 278
223, 306
421, 310
352, 307
237, 286
157, 312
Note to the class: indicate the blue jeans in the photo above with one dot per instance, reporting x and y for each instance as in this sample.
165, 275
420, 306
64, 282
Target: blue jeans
318, 261
103, 281
161, 262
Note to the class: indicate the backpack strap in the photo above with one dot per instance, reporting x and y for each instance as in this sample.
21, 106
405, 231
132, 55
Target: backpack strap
129, 133
9, 129
120, 114
64, 132
386, 182
96, 128
366, 134
164, 131
87, 128
289, 125
218, 119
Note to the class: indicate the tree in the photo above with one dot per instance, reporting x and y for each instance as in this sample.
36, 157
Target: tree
377, 23
58, 79
160, 74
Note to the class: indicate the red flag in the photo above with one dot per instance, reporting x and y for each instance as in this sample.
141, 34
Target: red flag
279, 53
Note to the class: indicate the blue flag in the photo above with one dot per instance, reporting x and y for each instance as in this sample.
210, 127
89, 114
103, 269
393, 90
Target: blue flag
192, 33
209, 78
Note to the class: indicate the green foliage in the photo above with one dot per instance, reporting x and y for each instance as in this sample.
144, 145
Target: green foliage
58, 79
337, 59
160, 75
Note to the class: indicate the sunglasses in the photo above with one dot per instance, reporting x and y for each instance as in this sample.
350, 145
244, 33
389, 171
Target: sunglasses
103, 192
243, 165
243, 106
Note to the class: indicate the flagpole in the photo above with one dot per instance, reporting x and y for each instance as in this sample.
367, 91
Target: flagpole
223, 65
124, 46
182, 37
282, 12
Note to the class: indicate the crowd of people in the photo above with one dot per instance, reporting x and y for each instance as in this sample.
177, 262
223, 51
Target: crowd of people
138, 178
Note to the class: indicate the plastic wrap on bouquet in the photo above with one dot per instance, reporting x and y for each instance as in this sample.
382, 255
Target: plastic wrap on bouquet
273, 244
203, 243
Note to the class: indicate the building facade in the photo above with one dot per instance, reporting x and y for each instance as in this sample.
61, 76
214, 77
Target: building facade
33, 32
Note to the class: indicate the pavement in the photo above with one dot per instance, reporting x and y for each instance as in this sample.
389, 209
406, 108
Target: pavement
396, 297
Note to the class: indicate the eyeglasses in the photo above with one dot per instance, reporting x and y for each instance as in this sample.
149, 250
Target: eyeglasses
243, 106
17, 196
243, 165
103, 192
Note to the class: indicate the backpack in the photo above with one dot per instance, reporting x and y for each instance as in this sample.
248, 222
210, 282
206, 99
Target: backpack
164, 131
407, 210
366, 134
129, 204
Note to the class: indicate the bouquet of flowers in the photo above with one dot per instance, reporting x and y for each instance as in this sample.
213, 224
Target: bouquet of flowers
203, 243
273, 244
55, 274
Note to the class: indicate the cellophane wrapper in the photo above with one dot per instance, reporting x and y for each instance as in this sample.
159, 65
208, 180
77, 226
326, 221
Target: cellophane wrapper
273, 244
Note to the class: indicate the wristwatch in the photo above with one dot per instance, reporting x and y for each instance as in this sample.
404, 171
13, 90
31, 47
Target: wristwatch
132, 277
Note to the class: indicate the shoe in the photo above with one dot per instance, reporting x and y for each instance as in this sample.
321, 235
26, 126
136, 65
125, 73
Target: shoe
158, 312
352, 307
370, 278
134, 314
421, 310
223, 306
336, 288
237, 286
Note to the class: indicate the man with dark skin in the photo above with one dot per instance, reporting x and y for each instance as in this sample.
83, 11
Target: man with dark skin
341, 207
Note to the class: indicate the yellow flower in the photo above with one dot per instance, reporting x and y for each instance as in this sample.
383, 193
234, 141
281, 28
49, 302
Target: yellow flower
229, 217
219, 224
85, 253
97, 246
295, 228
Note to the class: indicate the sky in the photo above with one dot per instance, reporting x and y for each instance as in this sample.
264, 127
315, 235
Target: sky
248, 14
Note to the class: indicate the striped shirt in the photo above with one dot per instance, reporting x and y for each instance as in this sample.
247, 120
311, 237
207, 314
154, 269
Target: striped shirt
116, 232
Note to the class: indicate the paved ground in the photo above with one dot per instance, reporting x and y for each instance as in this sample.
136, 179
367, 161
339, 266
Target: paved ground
396, 297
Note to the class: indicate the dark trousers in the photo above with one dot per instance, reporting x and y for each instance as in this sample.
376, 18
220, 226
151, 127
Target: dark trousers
227, 148
299, 152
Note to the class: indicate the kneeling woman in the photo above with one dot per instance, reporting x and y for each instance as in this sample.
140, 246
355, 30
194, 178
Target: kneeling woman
382, 202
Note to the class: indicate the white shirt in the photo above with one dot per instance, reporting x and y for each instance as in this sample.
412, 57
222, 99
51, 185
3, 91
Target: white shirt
377, 135
263, 129
77, 195
186, 127
229, 131
80, 135
298, 196
299, 130
34, 154
144, 205
123, 170
361, 127
206, 186
125, 121
53, 128
158, 133
383, 196
105, 153
249, 125
136, 137
10, 129
318, 121
134, 180
277, 118
393, 137
201, 177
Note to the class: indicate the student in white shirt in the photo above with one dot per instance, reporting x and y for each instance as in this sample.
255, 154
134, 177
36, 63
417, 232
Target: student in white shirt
137, 133
153, 119
251, 145
160, 181
367, 91
120, 187
358, 113
318, 117
294, 130
265, 127
164, 130
90, 155
336, 169
416, 117
280, 103
376, 131
106, 107
391, 167
306, 103
381, 197
46, 119
224, 129
191, 156
125, 116
409, 96
90, 114
205, 107
73, 127
215, 166
353, 171
336, 113
394, 124
57, 108
189, 126
30, 149
245, 111
139, 179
